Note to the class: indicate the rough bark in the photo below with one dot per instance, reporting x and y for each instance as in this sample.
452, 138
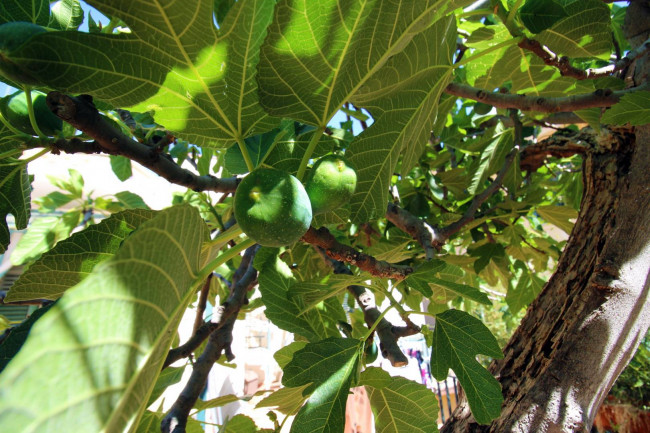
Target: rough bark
584, 327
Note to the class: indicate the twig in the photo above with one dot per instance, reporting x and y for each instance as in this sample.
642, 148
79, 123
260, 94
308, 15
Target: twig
388, 333
477, 201
219, 343
323, 238
566, 69
81, 113
599, 98
203, 300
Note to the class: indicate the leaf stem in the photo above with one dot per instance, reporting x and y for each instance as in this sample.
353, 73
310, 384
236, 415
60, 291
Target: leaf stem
503, 44
20, 162
225, 237
10, 153
245, 154
310, 150
512, 28
30, 109
221, 259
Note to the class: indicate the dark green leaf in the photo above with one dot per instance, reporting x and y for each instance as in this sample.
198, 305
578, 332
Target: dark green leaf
33, 11
15, 194
538, 15
457, 339
330, 365
12, 344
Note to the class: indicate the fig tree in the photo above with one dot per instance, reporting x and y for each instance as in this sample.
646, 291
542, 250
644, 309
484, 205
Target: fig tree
12, 36
330, 183
272, 207
14, 109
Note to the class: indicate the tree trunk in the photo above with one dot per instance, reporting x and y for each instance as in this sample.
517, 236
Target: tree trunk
586, 324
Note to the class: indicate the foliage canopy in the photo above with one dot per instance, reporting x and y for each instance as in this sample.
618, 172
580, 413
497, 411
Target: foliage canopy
456, 214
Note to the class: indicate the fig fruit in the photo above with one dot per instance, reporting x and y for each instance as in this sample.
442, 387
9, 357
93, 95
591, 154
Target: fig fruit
14, 109
330, 183
272, 207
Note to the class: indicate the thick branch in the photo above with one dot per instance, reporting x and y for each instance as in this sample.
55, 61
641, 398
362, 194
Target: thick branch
599, 98
566, 69
558, 145
422, 232
388, 333
81, 113
219, 342
323, 238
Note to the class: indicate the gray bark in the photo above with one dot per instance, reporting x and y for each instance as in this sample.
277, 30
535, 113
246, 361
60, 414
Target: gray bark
585, 326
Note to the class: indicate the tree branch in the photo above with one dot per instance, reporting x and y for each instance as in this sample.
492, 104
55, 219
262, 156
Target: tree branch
219, 342
81, 113
203, 301
599, 98
323, 238
559, 145
566, 69
388, 333
477, 201
422, 232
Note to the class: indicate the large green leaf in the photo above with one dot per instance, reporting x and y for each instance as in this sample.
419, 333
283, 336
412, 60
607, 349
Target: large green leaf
73, 259
112, 330
633, 108
34, 11
584, 33
15, 191
399, 404
319, 53
457, 339
330, 365
404, 96
198, 79
290, 313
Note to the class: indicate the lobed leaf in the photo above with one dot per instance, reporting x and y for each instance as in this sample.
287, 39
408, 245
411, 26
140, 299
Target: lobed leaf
334, 47
112, 330
457, 339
